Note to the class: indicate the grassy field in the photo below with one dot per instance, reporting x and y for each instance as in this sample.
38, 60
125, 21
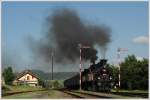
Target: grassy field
47, 94
6, 89
131, 91
29, 95
122, 93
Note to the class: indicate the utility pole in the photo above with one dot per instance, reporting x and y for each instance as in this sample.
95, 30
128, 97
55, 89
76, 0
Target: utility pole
52, 54
80, 67
119, 61
118, 56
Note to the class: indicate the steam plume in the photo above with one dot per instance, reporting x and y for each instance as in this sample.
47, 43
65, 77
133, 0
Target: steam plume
65, 30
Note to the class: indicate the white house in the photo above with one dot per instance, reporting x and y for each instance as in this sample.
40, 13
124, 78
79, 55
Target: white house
27, 77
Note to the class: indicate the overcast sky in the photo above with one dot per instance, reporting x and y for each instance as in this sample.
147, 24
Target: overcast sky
128, 21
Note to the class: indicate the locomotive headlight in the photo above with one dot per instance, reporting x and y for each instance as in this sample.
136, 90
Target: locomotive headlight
110, 78
98, 78
104, 70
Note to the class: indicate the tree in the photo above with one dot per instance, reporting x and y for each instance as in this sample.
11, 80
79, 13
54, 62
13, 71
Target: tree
56, 84
134, 73
115, 72
8, 75
42, 83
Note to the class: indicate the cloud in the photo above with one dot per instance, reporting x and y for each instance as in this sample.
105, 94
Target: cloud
139, 58
141, 40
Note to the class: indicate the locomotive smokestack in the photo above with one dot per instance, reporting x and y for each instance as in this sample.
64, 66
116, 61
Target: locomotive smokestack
103, 61
93, 62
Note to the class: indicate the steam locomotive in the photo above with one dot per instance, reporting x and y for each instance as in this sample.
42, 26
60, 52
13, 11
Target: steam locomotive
96, 78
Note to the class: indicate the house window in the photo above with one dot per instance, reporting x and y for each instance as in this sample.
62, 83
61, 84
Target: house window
28, 78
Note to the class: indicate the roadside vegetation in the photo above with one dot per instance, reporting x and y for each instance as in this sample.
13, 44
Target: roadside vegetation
134, 74
53, 84
10, 89
8, 75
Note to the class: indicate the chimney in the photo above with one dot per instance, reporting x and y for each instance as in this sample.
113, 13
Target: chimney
103, 61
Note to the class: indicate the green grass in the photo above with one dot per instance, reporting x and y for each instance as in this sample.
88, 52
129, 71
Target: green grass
5, 88
131, 91
122, 93
101, 94
51, 94
20, 88
37, 94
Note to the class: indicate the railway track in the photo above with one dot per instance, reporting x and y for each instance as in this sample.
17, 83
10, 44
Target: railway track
73, 94
110, 95
93, 95
83, 95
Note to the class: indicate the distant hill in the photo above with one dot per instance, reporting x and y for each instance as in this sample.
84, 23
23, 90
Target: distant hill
56, 75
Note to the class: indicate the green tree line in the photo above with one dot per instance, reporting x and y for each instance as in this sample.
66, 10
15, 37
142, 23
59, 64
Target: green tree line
134, 73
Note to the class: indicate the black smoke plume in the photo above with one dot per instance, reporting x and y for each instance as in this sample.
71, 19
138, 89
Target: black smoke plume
65, 30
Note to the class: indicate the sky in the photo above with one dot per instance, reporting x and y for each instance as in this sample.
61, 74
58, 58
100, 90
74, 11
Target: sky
127, 20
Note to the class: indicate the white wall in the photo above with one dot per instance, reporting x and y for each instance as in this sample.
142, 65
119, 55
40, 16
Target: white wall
31, 78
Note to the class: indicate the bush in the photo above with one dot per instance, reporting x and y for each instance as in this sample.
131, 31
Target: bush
5, 88
8, 75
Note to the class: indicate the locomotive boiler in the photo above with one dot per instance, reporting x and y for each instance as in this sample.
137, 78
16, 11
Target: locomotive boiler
96, 78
